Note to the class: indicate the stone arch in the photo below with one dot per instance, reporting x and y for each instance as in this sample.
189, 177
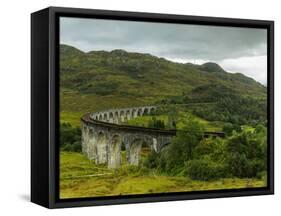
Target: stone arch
154, 144
111, 117
124, 147
164, 145
101, 148
134, 113
145, 111
105, 117
92, 150
116, 117
122, 115
84, 139
84, 127
114, 152
100, 117
139, 112
153, 110
128, 115
134, 151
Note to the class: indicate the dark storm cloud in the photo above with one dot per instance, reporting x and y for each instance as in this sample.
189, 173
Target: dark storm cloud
173, 41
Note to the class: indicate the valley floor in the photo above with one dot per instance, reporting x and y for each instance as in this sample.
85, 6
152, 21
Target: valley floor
80, 177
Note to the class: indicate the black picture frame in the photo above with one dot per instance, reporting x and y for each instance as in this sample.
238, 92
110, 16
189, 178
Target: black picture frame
45, 105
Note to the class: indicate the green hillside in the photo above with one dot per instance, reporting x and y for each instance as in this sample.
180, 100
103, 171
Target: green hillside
191, 98
100, 80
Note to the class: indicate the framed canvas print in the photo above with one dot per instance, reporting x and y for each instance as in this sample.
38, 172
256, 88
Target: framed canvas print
139, 107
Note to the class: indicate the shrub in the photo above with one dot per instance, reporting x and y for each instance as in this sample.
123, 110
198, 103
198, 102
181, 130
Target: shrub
76, 147
70, 138
104, 88
204, 170
156, 123
152, 160
247, 153
237, 165
228, 128
213, 148
67, 147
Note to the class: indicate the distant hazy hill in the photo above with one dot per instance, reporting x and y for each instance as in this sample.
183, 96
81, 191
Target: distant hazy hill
100, 79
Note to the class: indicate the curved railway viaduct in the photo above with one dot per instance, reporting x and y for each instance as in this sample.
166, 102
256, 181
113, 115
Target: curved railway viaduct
103, 136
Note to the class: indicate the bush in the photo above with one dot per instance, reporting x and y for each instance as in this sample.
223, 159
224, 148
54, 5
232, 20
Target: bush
152, 160
204, 170
228, 128
213, 148
67, 147
76, 147
237, 165
104, 88
156, 123
70, 138
247, 153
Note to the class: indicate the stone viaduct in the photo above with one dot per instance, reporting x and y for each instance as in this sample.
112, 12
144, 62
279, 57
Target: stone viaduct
122, 115
103, 136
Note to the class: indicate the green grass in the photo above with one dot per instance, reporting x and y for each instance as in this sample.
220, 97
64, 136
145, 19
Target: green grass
248, 128
71, 101
72, 118
80, 177
143, 120
209, 126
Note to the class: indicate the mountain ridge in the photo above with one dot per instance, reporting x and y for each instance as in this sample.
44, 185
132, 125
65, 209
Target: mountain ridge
137, 78
208, 66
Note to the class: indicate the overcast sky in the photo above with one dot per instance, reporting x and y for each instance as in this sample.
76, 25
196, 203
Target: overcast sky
235, 49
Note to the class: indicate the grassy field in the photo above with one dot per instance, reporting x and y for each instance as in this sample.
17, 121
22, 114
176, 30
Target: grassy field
73, 101
72, 118
209, 126
80, 177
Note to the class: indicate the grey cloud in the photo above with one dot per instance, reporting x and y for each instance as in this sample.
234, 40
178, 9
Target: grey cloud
166, 40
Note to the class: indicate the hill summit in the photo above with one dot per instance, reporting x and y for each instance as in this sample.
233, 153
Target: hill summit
212, 67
